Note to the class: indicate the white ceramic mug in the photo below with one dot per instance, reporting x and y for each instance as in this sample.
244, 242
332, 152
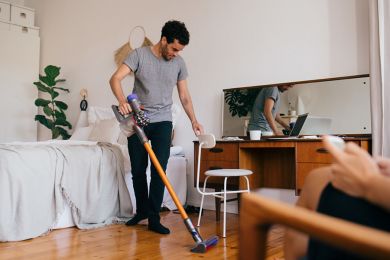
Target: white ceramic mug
255, 134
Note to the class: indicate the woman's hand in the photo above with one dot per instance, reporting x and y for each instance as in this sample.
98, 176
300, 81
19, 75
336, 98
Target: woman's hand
352, 169
384, 166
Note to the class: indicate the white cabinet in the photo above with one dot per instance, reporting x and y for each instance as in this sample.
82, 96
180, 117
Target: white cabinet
24, 29
5, 11
17, 18
22, 15
19, 68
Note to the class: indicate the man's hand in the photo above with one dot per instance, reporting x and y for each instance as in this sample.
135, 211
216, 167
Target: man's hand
124, 108
198, 128
278, 132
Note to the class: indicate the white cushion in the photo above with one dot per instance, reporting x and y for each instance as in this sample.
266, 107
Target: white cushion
81, 133
99, 113
82, 121
176, 150
176, 111
228, 172
105, 131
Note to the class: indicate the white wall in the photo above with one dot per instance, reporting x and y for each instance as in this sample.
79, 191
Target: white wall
233, 43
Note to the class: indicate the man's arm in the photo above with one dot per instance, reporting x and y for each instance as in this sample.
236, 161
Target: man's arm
281, 122
116, 87
268, 105
186, 102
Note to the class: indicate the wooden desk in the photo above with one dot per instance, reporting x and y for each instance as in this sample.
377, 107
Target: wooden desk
276, 164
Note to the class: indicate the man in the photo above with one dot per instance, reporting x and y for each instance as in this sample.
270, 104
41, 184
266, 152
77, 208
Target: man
156, 70
265, 110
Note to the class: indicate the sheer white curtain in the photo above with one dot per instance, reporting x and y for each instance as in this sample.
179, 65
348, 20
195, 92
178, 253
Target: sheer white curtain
380, 75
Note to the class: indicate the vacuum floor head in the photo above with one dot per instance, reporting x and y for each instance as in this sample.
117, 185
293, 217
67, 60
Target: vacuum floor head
205, 245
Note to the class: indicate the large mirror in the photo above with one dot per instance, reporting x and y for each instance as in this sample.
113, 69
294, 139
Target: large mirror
343, 101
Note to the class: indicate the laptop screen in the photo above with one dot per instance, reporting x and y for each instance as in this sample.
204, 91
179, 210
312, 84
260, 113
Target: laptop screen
298, 125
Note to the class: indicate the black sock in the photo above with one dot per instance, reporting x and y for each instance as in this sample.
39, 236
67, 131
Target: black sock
135, 220
157, 227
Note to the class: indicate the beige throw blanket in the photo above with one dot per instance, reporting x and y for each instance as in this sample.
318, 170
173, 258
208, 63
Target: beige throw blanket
37, 179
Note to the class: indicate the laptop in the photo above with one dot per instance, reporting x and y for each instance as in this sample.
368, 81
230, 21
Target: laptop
316, 125
294, 133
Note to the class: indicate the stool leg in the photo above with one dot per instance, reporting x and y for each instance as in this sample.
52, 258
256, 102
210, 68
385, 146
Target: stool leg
224, 207
201, 205
217, 205
238, 201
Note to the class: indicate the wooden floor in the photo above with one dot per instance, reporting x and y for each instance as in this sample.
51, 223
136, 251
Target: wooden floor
122, 242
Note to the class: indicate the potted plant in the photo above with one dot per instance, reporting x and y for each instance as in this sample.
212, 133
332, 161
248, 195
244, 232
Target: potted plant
54, 117
241, 101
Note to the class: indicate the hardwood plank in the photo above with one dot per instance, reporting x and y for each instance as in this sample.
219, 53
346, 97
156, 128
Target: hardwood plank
122, 242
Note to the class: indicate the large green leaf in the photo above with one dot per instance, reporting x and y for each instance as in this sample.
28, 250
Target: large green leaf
48, 111
63, 133
62, 122
60, 114
39, 102
41, 87
61, 105
55, 132
44, 121
63, 89
54, 94
48, 81
52, 72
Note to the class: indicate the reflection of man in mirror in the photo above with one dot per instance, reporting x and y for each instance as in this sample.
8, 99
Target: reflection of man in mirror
265, 110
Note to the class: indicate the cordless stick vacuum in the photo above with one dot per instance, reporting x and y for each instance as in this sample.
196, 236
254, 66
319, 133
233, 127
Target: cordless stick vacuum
138, 120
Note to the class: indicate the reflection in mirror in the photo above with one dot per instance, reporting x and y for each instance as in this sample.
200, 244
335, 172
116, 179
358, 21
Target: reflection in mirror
342, 102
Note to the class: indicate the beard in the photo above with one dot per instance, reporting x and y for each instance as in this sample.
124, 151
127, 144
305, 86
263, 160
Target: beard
164, 53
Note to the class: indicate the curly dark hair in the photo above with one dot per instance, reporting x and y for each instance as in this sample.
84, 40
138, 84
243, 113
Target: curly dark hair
175, 30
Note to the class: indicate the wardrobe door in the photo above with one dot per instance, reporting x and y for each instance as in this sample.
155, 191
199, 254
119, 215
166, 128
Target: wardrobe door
19, 68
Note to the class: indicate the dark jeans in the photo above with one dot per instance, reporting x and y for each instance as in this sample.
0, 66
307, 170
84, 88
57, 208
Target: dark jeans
160, 136
335, 203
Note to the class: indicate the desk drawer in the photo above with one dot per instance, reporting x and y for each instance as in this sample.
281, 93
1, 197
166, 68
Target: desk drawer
314, 152
221, 152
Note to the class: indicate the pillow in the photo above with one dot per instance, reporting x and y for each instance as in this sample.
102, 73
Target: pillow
82, 121
105, 131
99, 113
81, 133
176, 150
176, 111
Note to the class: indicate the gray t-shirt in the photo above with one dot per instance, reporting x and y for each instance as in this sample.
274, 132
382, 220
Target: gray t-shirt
258, 120
154, 81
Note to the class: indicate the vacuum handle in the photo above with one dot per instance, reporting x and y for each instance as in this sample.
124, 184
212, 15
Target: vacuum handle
139, 115
121, 118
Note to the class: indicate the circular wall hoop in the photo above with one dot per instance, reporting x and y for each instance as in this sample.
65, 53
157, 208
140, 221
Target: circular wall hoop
132, 34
